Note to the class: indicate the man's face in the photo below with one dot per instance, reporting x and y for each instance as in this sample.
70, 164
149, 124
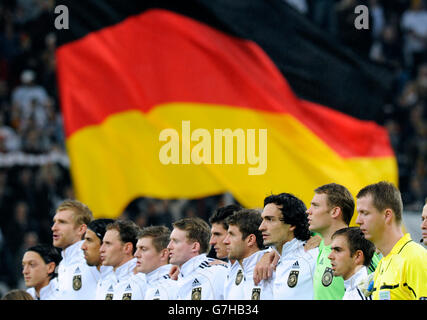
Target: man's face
274, 231
235, 245
319, 217
371, 221
147, 257
35, 270
180, 248
112, 251
218, 234
90, 247
424, 224
342, 263
65, 231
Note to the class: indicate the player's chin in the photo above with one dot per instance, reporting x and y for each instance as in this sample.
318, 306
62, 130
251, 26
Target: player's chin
267, 242
366, 234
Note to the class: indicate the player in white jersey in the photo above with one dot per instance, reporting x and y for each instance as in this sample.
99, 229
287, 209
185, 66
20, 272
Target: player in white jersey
152, 257
244, 244
285, 227
117, 250
218, 233
91, 246
76, 280
350, 256
219, 230
198, 279
38, 268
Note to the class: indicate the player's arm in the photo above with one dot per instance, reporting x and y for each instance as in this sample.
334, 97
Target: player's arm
265, 266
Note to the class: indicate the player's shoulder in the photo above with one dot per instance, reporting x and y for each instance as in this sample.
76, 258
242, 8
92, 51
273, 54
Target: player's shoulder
212, 266
414, 254
310, 254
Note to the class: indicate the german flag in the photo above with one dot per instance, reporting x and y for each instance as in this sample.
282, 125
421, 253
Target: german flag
186, 99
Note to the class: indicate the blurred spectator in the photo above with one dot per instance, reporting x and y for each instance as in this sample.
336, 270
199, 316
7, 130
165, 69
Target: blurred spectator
324, 15
387, 48
24, 190
9, 140
29, 99
300, 5
20, 224
27, 10
378, 20
414, 26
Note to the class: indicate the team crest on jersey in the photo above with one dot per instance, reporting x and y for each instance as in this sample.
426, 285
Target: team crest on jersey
239, 277
77, 282
256, 294
327, 277
196, 293
293, 278
109, 296
127, 296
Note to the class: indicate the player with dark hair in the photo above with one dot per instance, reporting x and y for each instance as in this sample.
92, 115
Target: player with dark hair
117, 250
245, 245
38, 268
285, 227
350, 258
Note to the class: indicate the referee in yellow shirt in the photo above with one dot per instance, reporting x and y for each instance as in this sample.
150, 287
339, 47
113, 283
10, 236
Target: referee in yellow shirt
402, 272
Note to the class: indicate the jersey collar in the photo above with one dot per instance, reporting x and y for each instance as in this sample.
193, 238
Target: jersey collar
290, 246
191, 265
158, 273
356, 278
73, 253
249, 263
125, 270
48, 290
400, 244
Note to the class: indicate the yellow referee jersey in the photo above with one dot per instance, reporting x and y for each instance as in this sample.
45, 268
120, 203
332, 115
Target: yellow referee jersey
402, 274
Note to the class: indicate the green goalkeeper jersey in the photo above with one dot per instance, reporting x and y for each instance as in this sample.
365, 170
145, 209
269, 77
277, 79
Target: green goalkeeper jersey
326, 286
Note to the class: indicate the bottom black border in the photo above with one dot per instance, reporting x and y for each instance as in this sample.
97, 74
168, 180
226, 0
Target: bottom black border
209, 309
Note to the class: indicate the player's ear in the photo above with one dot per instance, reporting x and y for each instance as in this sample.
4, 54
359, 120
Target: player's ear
335, 212
128, 247
251, 240
359, 257
164, 254
51, 267
82, 230
195, 247
388, 215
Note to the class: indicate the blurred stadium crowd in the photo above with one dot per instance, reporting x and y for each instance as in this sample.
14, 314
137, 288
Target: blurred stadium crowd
33, 184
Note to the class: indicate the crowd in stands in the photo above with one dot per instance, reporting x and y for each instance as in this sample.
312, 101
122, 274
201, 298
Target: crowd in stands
31, 122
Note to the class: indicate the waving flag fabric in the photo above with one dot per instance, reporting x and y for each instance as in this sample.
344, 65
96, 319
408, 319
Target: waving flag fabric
185, 99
